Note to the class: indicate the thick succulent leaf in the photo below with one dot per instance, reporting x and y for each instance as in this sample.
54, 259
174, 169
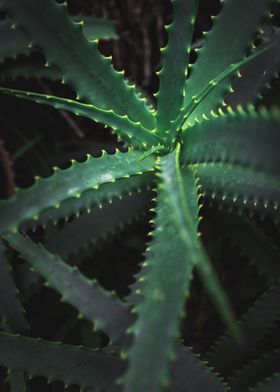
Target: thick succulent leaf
28, 68
10, 306
255, 371
187, 116
61, 362
15, 42
91, 198
271, 384
74, 55
175, 61
253, 242
97, 28
16, 381
70, 183
226, 356
240, 188
256, 76
165, 285
177, 184
236, 24
249, 139
191, 374
6, 164
94, 303
91, 228
134, 133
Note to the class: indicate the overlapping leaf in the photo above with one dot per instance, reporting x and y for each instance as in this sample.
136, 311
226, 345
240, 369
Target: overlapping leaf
218, 55
65, 46
70, 183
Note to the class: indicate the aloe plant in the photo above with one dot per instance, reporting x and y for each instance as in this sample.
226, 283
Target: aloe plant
192, 148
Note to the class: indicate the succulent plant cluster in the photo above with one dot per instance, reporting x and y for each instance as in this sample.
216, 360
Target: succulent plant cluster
205, 142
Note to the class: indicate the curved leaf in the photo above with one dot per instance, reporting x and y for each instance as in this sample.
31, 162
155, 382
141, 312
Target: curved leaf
70, 183
28, 68
15, 42
240, 188
187, 116
91, 228
255, 371
249, 139
64, 45
253, 242
10, 306
167, 279
175, 61
256, 76
62, 362
271, 384
92, 302
130, 131
225, 355
166, 282
96, 28
218, 55
191, 374
91, 198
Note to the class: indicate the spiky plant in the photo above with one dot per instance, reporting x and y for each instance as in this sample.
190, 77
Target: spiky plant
192, 148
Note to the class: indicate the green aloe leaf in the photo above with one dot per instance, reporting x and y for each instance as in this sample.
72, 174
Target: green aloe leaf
16, 381
74, 55
92, 228
10, 306
257, 76
15, 42
175, 61
217, 54
191, 374
240, 188
89, 199
253, 242
243, 138
134, 133
187, 116
163, 295
177, 185
60, 362
28, 68
96, 28
106, 312
271, 384
225, 355
70, 183
163, 291
255, 372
